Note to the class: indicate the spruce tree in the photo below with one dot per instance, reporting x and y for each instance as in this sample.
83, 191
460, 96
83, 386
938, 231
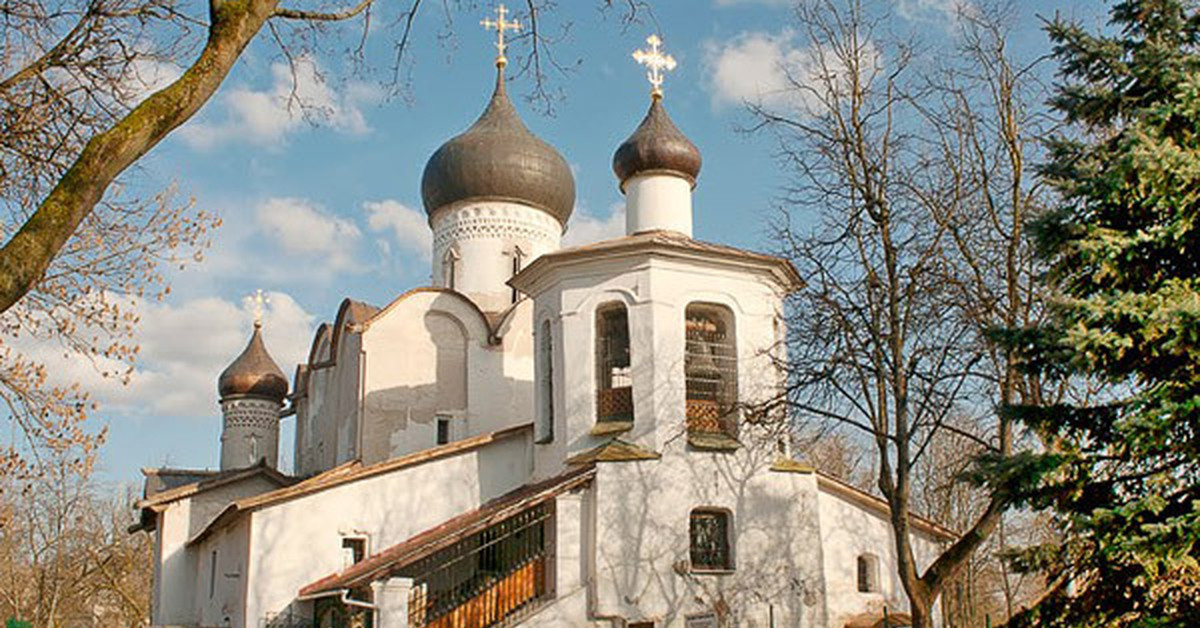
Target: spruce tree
1122, 468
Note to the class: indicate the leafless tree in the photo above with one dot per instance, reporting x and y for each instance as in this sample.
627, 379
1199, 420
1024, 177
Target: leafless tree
919, 176
65, 555
87, 87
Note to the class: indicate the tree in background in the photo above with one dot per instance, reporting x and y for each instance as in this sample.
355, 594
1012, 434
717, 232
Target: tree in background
918, 175
1123, 247
66, 558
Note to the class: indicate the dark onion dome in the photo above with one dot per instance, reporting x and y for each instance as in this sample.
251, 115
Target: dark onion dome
253, 373
499, 159
657, 146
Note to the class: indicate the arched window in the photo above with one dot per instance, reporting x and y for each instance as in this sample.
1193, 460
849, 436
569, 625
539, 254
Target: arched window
710, 369
450, 268
546, 383
708, 533
868, 573
518, 260
614, 387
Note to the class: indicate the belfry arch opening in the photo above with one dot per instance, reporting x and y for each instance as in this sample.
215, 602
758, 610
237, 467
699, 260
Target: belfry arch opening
614, 384
710, 369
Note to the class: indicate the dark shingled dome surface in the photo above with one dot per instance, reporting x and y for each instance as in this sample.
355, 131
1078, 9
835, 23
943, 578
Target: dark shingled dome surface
499, 159
657, 146
253, 374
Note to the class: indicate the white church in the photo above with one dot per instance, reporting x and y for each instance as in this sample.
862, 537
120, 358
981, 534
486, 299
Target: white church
545, 436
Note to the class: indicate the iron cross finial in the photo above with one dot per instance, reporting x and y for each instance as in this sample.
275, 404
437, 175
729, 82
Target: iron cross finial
500, 24
656, 62
259, 302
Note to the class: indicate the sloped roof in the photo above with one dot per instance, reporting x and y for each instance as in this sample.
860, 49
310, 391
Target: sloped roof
615, 450
164, 486
880, 506
450, 531
354, 471
658, 241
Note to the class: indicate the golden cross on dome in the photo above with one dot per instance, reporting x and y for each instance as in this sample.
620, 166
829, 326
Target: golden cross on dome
259, 302
656, 62
500, 24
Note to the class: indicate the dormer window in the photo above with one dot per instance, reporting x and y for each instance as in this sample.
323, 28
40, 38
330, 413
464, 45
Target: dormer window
710, 370
614, 386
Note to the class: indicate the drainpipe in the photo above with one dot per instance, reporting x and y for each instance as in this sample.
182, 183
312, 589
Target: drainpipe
344, 599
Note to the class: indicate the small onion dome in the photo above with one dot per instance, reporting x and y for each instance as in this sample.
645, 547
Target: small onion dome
253, 373
657, 146
499, 159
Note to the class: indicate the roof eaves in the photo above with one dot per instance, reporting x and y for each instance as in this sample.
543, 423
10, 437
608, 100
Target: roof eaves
428, 541
353, 471
880, 505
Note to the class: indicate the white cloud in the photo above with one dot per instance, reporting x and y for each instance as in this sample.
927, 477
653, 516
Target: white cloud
300, 227
773, 71
945, 12
408, 226
753, 67
585, 228
184, 348
146, 75
265, 117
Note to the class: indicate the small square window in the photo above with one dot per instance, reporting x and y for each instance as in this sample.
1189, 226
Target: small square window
354, 548
709, 534
868, 573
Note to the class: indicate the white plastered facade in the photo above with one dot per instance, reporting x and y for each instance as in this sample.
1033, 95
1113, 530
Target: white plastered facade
415, 415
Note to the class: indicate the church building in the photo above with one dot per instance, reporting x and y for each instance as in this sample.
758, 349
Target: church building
579, 437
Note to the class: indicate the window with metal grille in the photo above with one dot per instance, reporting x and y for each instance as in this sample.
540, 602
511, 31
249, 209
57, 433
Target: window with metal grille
614, 387
710, 369
709, 535
484, 578
868, 573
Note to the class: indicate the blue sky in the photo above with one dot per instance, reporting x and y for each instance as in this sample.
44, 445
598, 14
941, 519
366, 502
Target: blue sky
322, 208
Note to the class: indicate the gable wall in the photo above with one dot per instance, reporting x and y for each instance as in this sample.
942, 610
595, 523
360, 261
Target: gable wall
421, 355
299, 541
849, 529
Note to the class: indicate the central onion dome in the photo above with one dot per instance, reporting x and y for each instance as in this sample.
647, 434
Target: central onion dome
657, 147
253, 373
499, 159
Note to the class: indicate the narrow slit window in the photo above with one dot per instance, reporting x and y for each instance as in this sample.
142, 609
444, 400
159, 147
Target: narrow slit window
614, 386
212, 573
710, 369
546, 376
443, 430
450, 269
518, 258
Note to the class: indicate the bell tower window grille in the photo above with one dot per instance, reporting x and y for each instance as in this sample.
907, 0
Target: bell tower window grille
710, 369
614, 386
